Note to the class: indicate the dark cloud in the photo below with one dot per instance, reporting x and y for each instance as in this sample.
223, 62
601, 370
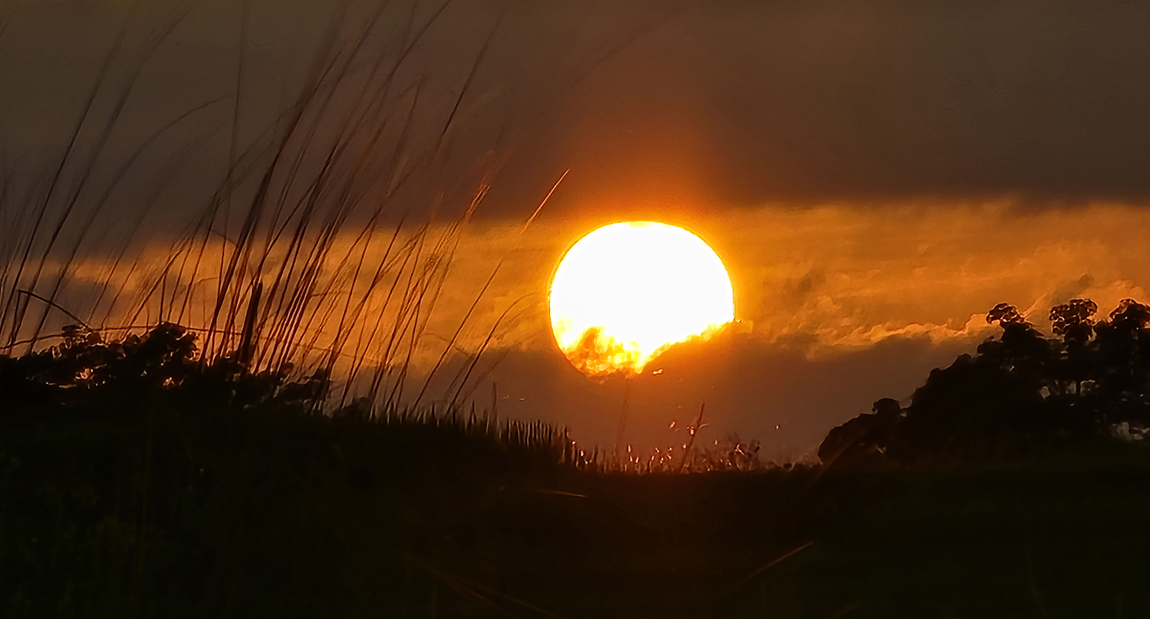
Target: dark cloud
869, 102
662, 108
775, 393
465, 83
890, 99
803, 287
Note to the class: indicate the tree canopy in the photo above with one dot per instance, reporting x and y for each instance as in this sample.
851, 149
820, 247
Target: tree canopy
1022, 392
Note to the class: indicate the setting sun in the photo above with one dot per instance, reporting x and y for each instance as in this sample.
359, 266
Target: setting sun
627, 290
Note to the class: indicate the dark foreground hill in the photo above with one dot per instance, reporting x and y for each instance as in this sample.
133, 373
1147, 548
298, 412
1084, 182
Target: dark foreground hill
172, 510
137, 480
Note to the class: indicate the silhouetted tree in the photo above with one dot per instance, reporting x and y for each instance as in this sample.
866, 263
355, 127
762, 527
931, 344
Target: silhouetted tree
1122, 351
1020, 349
1022, 392
974, 408
1074, 321
864, 438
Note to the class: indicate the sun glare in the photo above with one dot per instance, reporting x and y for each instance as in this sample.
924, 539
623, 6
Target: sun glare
625, 291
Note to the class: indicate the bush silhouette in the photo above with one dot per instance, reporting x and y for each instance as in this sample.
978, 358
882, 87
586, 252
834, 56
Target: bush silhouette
87, 373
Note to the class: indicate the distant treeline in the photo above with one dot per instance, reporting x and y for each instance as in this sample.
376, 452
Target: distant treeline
1023, 393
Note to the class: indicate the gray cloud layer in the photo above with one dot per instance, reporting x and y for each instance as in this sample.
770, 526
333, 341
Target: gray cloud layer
648, 103
760, 391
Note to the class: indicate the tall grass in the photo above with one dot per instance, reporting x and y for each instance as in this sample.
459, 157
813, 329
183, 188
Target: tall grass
305, 260
299, 261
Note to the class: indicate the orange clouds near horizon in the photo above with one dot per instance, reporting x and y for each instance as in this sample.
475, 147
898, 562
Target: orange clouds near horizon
854, 304
843, 277
824, 278
838, 306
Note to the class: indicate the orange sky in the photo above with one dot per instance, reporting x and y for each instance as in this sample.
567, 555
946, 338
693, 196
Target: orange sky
864, 303
838, 306
874, 175
845, 276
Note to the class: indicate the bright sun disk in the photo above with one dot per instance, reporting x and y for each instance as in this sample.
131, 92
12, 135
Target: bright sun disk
625, 291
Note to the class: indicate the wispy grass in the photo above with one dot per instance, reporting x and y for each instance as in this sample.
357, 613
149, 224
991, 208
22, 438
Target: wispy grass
292, 264
305, 260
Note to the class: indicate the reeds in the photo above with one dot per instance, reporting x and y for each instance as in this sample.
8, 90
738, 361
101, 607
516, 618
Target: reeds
539, 441
301, 261
304, 263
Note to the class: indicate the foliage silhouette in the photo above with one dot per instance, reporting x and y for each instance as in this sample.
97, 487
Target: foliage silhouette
86, 373
1021, 394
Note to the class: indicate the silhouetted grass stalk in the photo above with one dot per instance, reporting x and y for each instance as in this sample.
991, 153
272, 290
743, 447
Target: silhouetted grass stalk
303, 260
341, 290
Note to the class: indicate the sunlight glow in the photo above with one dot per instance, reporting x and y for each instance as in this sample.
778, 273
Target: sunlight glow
626, 291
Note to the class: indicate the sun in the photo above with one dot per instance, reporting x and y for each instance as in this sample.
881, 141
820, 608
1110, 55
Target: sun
625, 291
